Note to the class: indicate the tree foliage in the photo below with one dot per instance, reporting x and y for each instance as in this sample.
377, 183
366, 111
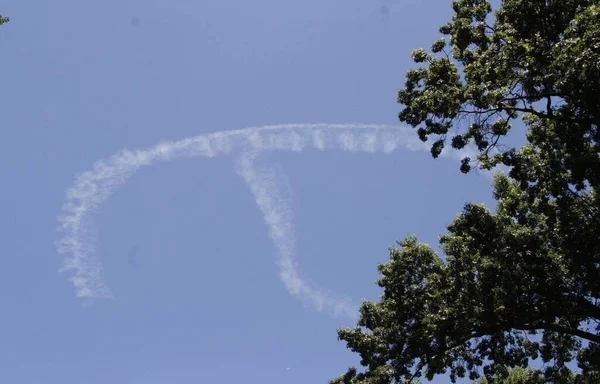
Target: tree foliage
4, 19
532, 267
516, 376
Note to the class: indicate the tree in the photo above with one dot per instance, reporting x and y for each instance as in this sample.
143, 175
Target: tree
515, 376
532, 267
4, 19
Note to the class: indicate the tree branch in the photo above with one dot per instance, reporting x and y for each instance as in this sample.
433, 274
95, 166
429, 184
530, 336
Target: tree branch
558, 328
486, 332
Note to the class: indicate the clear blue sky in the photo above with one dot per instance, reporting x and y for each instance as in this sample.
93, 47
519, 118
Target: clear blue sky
184, 248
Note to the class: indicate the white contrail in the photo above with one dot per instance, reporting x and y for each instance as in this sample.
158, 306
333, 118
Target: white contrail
265, 185
93, 187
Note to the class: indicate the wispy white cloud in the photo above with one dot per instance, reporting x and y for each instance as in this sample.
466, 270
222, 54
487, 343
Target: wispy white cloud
93, 187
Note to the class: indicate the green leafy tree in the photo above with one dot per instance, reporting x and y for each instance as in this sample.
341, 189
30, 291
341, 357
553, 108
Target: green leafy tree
4, 19
516, 376
532, 267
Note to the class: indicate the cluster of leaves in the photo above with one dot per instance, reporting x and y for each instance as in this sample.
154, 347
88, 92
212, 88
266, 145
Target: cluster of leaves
536, 51
533, 266
4, 19
516, 376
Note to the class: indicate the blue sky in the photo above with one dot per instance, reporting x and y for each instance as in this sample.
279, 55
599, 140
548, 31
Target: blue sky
184, 248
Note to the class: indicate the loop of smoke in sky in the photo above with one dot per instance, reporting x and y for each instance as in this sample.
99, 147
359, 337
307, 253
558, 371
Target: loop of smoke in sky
93, 187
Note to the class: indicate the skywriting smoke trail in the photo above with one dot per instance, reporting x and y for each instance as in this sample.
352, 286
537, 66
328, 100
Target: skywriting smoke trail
93, 187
